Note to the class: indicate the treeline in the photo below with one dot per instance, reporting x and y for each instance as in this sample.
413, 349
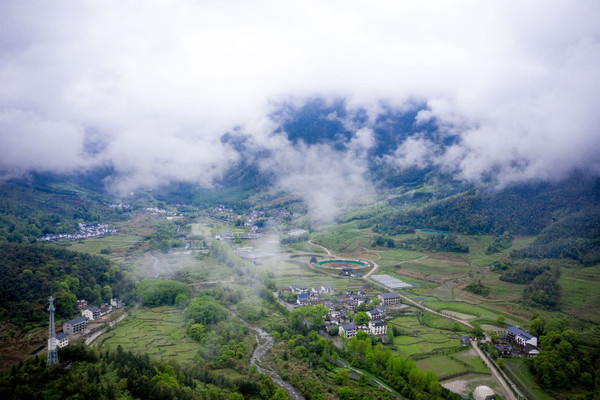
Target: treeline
478, 288
501, 242
84, 373
435, 242
524, 209
31, 273
565, 361
575, 236
159, 292
542, 290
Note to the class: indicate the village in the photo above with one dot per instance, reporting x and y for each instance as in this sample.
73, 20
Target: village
85, 232
344, 318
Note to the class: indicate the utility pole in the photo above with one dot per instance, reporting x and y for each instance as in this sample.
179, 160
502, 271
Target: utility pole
52, 345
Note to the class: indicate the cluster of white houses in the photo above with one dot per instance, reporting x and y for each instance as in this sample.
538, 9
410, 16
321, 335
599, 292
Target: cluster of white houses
349, 301
85, 232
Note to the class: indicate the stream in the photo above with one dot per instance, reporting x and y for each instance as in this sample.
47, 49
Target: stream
265, 342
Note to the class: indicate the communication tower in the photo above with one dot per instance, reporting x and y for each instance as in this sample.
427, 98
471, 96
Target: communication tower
52, 343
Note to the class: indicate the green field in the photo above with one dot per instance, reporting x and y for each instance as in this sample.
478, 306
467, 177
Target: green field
159, 332
581, 292
445, 365
519, 372
117, 243
418, 339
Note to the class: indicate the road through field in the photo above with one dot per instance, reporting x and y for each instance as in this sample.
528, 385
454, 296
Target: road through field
265, 342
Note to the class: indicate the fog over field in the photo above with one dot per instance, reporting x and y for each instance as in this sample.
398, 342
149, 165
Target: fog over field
149, 89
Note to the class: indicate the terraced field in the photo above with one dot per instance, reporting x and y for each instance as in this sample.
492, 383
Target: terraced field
159, 332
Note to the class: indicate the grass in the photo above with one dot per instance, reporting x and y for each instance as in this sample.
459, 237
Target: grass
581, 292
454, 363
116, 243
519, 373
158, 332
422, 340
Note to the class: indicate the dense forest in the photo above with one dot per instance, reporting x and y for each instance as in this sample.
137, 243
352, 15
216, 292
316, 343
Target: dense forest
565, 216
32, 273
86, 374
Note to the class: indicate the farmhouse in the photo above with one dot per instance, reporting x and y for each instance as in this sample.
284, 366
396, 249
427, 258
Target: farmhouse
302, 299
91, 313
389, 299
62, 340
75, 325
327, 289
377, 313
298, 289
377, 327
116, 302
520, 336
530, 350
105, 309
504, 349
348, 330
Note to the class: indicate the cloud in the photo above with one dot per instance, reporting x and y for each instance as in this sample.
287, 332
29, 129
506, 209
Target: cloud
150, 90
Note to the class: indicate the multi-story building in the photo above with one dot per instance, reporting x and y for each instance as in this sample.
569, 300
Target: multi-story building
75, 325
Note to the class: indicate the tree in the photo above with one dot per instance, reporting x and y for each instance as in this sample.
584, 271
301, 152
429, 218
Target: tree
107, 293
196, 332
205, 310
500, 319
300, 352
181, 300
342, 378
361, 318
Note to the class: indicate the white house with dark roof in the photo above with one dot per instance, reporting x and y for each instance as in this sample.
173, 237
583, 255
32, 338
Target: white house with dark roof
376, 313
377, 327
390, 299
327, 289
299, 289
75, 325
91, 313
520, 336
62, 339
348, 330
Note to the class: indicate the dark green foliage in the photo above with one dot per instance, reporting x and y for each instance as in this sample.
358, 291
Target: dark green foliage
575, 236
565, 360
520, 272
381, 241
501, 242
524, 209
31, 273
544, 291
435, 242
205, 310
82, 373
157, 292
478, 288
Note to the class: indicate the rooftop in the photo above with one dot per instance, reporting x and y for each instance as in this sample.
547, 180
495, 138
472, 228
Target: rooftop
76, 320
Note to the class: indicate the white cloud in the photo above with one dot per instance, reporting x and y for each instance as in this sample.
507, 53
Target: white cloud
162, 81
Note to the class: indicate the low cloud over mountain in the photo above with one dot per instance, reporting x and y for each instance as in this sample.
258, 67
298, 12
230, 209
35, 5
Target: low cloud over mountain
501, 89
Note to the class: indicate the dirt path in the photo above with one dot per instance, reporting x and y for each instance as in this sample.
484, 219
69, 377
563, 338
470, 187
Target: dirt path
265, 342
324, 248
497, 375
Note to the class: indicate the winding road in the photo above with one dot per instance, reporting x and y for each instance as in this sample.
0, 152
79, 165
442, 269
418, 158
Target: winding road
504, 381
